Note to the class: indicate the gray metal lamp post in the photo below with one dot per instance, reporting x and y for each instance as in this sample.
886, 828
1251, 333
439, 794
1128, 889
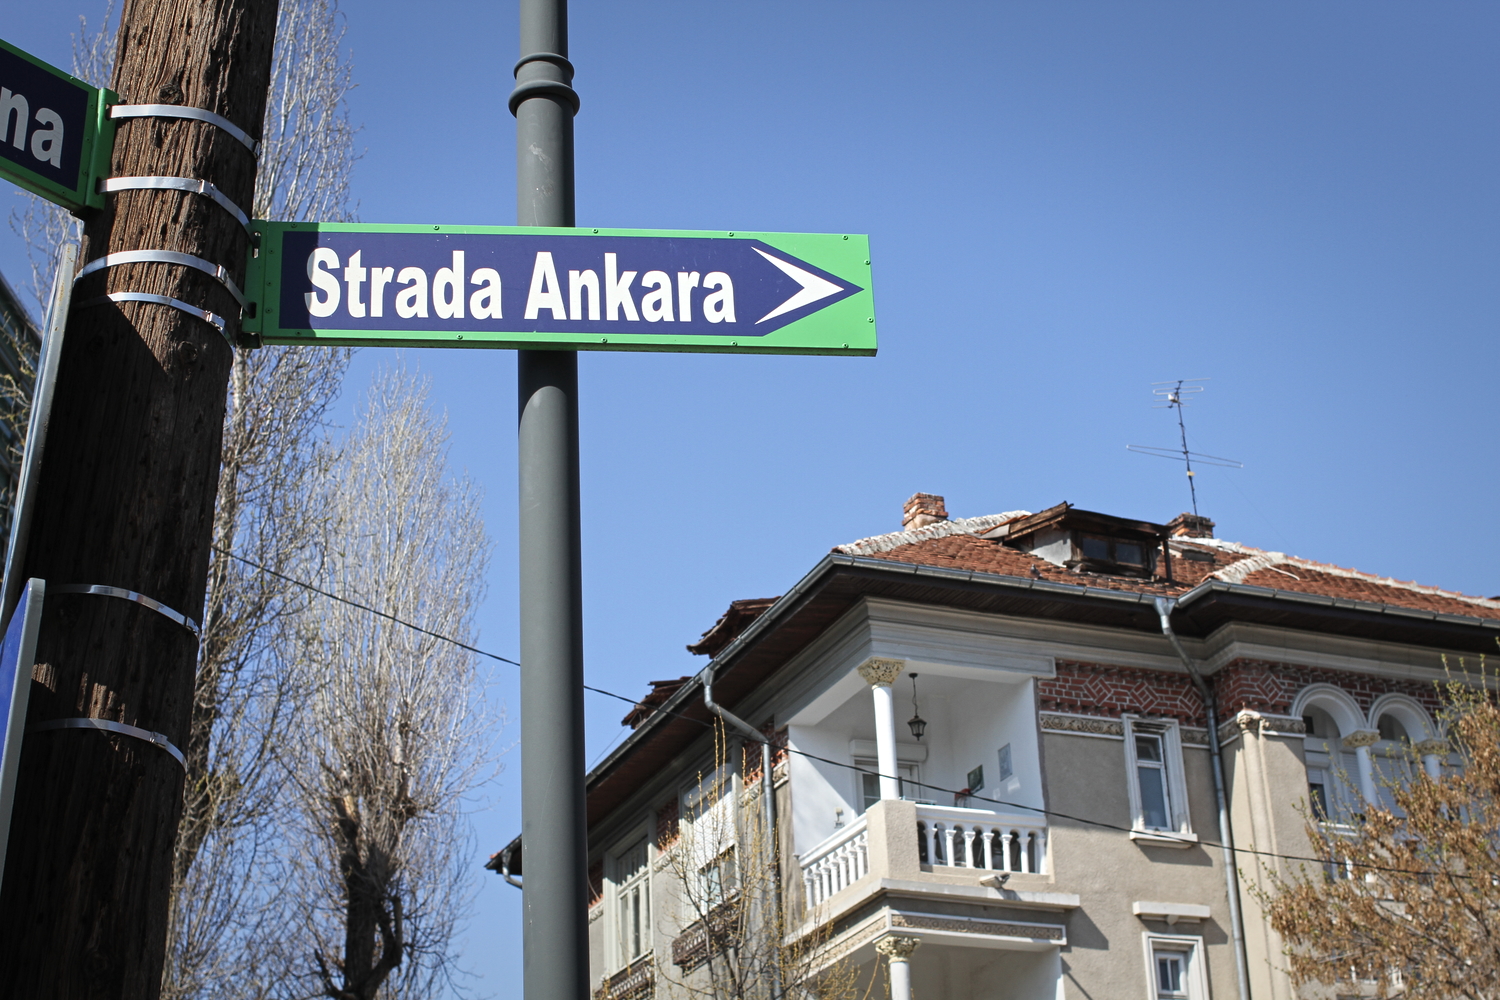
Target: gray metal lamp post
554, 837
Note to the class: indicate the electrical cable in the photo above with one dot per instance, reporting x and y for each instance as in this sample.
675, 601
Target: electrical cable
707, 724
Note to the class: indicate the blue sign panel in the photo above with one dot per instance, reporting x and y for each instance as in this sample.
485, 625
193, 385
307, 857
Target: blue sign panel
548, 284
52, 130
17, 654
473, 286
42, 119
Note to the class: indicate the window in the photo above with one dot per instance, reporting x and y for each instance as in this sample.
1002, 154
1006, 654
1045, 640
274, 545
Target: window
1151, 776
1127, 556
869, 782
1331, 771
1174, 967
632, 878
1158, 793
716, 881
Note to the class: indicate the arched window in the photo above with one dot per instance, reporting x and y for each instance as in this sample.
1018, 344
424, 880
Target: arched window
1403, 726
1333, 786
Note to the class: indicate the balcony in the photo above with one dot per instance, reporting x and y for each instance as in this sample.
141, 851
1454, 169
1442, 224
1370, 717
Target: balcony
907, 840
978, 838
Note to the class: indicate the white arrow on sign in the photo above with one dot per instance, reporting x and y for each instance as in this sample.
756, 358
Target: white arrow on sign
813, 287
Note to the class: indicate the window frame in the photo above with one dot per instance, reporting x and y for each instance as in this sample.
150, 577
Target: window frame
1195, 972
1180, 825
617, 888
908, 773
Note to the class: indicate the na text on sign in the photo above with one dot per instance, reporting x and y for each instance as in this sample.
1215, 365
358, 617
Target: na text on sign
567, 289
55, 140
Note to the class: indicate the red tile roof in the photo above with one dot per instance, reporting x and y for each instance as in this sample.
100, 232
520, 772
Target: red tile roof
959, 544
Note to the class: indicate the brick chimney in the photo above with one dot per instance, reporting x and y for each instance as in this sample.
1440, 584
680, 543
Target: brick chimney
1190, 526
921, 510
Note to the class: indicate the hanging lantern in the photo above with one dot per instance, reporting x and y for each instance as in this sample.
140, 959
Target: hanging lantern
917, 723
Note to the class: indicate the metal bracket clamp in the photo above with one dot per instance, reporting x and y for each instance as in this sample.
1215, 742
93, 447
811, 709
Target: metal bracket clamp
157, 739
213, 319
128, 595
178, 111
216, 271
109, 185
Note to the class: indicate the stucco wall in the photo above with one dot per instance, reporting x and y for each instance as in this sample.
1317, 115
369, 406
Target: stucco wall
1086, 778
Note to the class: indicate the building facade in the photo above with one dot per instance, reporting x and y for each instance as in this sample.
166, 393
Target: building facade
1023, 755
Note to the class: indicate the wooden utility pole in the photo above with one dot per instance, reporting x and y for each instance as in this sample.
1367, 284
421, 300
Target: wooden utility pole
125, 500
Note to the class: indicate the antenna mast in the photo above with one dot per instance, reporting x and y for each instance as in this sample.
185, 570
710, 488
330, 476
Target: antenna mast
1176, 398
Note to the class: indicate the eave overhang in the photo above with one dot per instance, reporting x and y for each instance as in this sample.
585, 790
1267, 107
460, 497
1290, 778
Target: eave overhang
838, 581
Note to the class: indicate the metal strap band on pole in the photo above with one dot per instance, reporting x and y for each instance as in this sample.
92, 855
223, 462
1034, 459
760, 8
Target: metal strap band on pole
159, 739
128, 595
215, 271
178, 111
213, 319
192, 185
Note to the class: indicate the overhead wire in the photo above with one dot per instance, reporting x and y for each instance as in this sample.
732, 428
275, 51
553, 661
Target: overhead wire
708, 724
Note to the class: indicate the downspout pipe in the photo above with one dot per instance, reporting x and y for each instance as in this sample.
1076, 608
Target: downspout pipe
768, 813
503, 866
1164, 607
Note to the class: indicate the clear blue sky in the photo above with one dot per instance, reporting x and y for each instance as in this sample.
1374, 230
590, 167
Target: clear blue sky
1066, 202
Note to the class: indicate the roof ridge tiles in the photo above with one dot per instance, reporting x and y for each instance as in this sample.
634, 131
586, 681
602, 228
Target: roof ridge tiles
939, 529
1259, 559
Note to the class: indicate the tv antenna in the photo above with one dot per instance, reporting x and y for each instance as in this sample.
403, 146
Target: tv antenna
1176, 397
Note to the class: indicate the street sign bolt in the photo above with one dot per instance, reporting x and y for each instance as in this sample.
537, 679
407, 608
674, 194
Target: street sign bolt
734, 343
436, 227
603, 340
596, 231
872, 319
731, 234
846, 237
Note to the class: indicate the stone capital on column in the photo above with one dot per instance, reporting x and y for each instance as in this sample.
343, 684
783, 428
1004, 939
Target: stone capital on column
898, 948
1437, 748
878, 670
1361, 738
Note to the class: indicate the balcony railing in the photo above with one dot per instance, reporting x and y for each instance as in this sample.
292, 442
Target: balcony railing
978, 838
839, 861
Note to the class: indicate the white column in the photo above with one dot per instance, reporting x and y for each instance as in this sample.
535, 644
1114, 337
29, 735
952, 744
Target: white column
1360, 742
898, 951
1433, 752
880, 674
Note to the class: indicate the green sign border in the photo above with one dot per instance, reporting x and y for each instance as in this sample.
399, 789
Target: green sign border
93, 160
846, 327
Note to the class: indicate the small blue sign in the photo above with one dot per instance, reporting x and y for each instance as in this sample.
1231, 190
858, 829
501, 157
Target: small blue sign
17, 655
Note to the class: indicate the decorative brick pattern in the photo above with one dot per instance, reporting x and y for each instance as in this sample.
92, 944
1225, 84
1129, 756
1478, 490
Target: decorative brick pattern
1102, 689
1263, 686
668, 825
596, 883
750, 765
1270, 688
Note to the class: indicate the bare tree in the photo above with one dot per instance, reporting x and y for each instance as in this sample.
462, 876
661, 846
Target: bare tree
230, 858
395, 732
717, 904
1408, 903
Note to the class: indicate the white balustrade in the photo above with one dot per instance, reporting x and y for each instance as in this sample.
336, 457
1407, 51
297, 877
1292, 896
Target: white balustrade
836, 863
978, 838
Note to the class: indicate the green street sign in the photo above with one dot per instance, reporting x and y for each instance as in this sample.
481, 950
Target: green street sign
55, 138
567, 289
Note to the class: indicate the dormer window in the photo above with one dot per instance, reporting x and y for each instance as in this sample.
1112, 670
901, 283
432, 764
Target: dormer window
1095, 549
1086, 541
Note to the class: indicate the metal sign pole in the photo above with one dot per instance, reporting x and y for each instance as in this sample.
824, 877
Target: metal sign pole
554, 836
